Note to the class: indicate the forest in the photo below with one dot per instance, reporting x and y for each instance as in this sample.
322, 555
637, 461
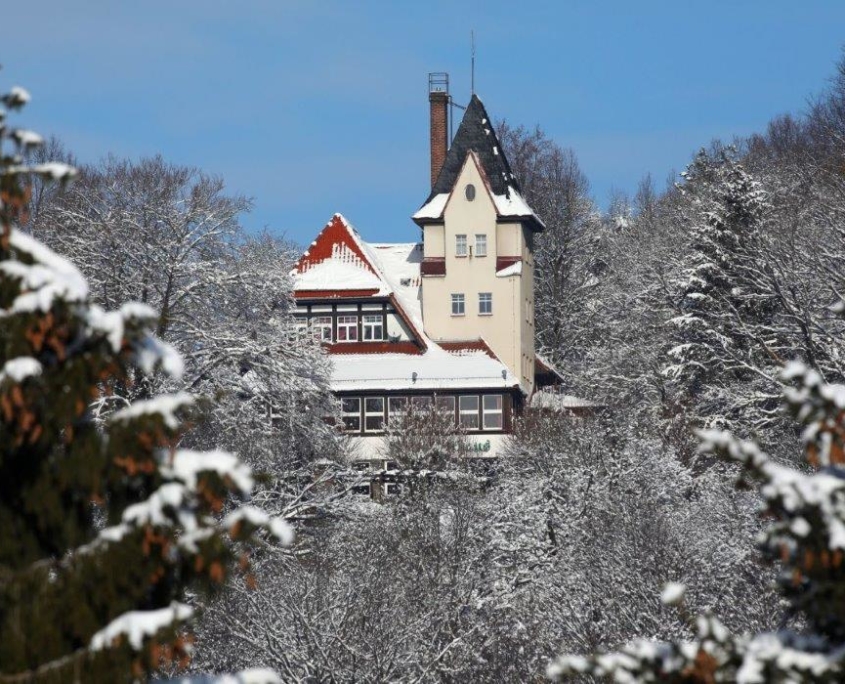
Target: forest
692, 531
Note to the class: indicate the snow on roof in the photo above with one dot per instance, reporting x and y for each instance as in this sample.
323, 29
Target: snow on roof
513, 269
400, 266
338, 260
433, 209
436, 369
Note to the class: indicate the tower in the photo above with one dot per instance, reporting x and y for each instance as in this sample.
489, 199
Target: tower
478, 243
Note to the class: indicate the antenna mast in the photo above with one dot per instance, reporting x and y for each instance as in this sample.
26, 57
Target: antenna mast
472, 69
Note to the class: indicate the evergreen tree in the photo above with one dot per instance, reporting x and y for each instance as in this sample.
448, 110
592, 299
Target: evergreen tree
722, 348
104, 525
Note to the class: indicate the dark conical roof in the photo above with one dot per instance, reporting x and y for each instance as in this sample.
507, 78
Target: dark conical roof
476, 133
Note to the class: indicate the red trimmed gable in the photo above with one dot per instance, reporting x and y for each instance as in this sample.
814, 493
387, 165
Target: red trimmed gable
336, 232
334, 294
464, 346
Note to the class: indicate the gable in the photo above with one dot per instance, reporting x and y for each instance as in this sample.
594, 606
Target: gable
337, 261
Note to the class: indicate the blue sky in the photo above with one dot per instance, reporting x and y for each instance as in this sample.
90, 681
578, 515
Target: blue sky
315, 107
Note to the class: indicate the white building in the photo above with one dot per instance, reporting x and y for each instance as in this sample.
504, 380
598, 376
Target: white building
448, 320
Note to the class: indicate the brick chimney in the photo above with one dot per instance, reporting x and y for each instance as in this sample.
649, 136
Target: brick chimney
438, 98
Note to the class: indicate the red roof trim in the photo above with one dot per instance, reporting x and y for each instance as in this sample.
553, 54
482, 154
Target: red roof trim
469, 345
341, 348
334, 294
503, 262
336, 231
433, 266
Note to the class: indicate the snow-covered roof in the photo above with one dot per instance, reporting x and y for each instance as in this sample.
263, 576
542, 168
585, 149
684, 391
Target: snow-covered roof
436, 369
339, 260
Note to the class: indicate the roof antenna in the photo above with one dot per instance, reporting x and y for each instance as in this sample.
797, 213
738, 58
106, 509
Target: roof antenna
472, 69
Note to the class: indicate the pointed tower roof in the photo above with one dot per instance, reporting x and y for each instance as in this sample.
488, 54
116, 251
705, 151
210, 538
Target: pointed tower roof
477, 135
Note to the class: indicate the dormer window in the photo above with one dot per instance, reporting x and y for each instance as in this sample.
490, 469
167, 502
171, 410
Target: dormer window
469, 192
460, 245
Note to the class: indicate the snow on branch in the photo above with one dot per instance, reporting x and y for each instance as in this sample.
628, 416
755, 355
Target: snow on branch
185, 465
17, 370
47, 279
139, 625
165, 405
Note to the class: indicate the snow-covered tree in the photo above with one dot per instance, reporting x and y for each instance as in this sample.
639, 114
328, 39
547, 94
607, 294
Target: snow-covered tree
726, 353
425, 438
170, 236
806, 539
105, 525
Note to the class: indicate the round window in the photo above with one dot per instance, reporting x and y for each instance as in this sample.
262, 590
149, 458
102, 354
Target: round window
470, 192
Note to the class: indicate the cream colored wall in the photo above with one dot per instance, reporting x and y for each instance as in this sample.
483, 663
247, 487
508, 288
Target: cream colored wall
433, 245
507, 330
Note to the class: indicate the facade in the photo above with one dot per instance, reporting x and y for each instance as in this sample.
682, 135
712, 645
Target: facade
448, 321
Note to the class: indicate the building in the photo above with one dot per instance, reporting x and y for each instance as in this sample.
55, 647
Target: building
449, 320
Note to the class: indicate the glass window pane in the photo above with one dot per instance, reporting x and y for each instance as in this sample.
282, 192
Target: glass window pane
350, 404
374, 423
421, 402
469, 403
469, 420
352, 423
374, 404
445, 404
397, 404
492, 421
492, 402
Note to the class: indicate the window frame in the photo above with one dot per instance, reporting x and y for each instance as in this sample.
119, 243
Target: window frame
376, 322
356, 415
373, 414
322, 328
480, 239
458, 298
498, 411
347, 325
487, 299
475, 413
459, 242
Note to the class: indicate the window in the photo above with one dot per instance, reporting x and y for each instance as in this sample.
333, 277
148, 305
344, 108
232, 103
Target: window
480, 245
469, 412
350, 410
457, 305
485, 303
461, 245
420, 403
373, 327
469, 192
347, 328
322, 327
446, 406
396, 406
373, 414
492, 411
